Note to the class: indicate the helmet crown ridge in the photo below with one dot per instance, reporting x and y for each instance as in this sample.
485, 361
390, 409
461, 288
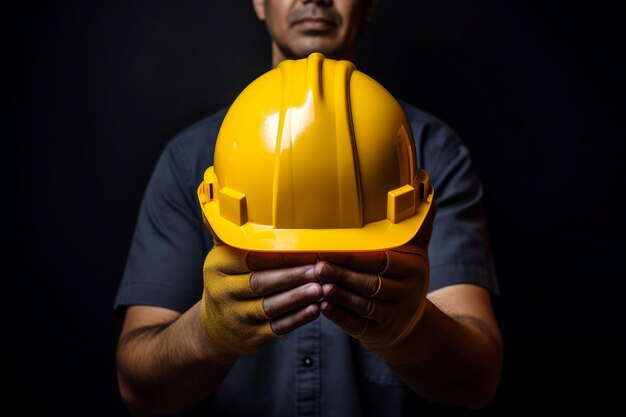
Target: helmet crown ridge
316, 175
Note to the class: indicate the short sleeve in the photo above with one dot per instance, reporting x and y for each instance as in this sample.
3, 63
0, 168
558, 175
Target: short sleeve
170, 241
459, 250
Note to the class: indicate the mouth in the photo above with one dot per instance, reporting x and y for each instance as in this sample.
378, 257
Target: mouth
314, 20
315, 23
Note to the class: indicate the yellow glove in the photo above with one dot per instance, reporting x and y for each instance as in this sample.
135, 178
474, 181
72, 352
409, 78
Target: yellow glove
385, 290
233, 313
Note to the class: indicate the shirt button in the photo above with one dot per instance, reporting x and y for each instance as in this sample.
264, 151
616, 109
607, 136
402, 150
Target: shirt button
307, 361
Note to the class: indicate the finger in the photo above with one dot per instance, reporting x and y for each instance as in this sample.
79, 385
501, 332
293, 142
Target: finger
392, 289
349, 322
359, 282
368, 308
283, 302
275, 280
226, 260
361, 306
234, 286
258, 261
371, 261
405, 261
292, 321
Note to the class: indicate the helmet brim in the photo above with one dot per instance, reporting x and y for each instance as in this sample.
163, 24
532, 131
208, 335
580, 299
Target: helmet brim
374, 236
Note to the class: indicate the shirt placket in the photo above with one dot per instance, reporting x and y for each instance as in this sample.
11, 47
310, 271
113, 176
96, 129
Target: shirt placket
308, 377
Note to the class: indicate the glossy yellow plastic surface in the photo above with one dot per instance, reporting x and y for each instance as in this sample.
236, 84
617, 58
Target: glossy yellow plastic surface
315, 156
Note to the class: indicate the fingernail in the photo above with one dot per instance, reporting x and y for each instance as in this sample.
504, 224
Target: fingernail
309, 273
325, 270
327, 290
326, 308
313, 309
314, 290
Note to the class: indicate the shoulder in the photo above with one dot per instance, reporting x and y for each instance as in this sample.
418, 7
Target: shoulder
417, 115
191, 150
197, 135
435, 140
424, 123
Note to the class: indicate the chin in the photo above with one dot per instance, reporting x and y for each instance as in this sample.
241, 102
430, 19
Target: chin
328, 51
303, 45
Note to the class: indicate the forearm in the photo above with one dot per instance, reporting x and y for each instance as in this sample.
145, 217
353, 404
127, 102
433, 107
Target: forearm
453, 359
165, 368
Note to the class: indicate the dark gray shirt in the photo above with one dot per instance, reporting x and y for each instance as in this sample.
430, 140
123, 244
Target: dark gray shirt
316, 370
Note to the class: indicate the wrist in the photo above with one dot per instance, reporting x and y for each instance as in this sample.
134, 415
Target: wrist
210, 349
409, 347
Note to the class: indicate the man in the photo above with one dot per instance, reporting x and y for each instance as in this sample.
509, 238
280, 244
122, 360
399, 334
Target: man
167, 360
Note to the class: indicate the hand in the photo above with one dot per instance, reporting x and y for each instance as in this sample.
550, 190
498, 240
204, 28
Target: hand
377, 297
381, 308
243, 309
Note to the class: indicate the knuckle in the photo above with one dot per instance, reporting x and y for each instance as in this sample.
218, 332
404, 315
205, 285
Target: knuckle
257, 284
329, 290
277, 327
372, 286
268, 307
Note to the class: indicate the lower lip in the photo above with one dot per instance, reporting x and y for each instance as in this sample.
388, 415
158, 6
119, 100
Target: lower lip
315, 25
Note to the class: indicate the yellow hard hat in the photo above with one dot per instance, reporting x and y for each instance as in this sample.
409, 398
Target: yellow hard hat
315, 156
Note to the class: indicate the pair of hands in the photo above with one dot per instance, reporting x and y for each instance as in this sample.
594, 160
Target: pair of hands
253, 297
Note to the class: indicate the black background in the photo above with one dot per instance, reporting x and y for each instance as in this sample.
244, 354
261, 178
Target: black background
94, 89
